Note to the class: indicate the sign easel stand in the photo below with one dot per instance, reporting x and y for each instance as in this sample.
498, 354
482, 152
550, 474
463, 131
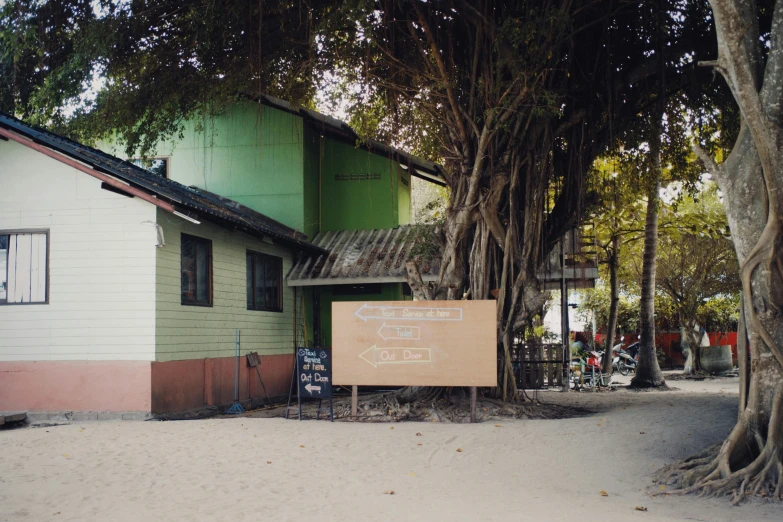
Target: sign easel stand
354, 402
473, 393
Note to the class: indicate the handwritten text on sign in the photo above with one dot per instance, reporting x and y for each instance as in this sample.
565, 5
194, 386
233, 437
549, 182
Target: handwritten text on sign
415, 343
314, 372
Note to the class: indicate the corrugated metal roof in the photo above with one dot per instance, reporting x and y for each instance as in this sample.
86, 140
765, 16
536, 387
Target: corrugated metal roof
369, 256
212, 206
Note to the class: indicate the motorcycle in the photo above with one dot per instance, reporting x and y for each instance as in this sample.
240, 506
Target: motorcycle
622, 361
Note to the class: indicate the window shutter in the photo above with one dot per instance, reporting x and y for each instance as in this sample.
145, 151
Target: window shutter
27, 268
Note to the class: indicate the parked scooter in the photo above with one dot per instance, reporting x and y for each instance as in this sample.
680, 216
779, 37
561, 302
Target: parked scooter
622, 361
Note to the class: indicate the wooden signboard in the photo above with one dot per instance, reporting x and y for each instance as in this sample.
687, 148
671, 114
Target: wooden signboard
415, 343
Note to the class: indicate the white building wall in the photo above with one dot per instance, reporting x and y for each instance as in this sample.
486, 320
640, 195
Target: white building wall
101, 264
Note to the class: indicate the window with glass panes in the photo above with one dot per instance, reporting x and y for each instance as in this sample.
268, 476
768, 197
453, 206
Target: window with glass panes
264, 282
196, 268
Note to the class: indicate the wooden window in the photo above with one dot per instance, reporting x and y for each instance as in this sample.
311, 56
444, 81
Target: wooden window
264, 282
24, 267
196, 265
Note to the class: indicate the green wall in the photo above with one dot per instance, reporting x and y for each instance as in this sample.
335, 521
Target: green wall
404, 198
313, 144
196, 332
274, 163
358, 203
251, 153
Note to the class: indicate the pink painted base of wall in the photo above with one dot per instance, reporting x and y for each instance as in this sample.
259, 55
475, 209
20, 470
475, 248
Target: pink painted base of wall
126, 386
194, 383
111, 386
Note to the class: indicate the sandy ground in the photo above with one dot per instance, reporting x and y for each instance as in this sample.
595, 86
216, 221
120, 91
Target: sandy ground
276, 470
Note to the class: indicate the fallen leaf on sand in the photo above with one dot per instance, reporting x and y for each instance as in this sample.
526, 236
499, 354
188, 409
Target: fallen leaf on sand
641, 433
498, 425
268, 461
411, 474
255, 435
459, 450
640, 508
418, 434
65, 455
301, 445
391, 428
599, 423
603, 493
420, 444
390, 492
663, 487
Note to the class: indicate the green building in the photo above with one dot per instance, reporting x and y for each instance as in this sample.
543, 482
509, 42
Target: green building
310, 172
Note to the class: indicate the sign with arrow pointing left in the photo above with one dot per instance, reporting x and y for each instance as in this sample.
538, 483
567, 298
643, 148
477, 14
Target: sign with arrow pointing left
415, 343
314, 373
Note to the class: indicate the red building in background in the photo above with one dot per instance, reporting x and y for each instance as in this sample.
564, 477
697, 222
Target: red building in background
669, 343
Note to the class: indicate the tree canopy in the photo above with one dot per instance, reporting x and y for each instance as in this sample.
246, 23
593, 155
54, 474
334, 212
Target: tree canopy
515, 99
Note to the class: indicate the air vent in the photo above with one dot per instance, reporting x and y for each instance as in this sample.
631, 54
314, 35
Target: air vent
362, 176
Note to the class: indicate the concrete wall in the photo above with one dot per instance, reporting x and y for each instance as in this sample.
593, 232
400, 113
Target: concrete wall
101, 291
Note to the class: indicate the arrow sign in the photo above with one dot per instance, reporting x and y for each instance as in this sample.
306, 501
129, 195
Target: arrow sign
376, 356
398, 332
309, 387
368, 311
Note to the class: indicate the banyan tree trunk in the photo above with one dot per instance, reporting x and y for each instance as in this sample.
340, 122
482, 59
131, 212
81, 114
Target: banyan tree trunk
750, 461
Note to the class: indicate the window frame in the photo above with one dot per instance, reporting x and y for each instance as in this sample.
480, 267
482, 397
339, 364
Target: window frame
152, 158
252, 255
210, 294
44, 231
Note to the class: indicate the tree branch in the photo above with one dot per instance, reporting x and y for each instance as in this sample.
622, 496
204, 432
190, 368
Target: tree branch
418, 287
443, 72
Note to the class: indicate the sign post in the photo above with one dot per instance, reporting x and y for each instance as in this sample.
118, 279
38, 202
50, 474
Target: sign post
415, 343
313, 374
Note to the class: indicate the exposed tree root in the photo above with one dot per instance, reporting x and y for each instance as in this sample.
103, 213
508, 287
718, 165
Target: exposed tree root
648, 386
746, 464
452, 408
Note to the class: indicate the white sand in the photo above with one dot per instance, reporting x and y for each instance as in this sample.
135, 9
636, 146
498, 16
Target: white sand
216, 470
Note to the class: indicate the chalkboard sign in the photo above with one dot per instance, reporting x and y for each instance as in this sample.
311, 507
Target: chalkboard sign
314, 373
